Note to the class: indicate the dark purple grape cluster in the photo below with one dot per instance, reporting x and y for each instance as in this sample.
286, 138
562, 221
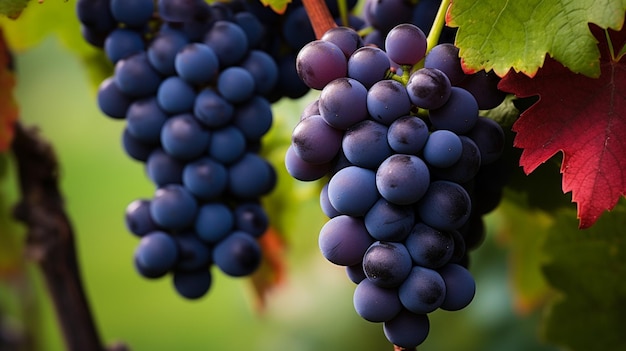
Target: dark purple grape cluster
193, 86
403, 151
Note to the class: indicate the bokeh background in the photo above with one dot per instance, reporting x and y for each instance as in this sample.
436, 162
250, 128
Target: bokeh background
311, 309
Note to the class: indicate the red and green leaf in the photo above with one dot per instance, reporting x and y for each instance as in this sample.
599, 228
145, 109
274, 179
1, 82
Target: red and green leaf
8, 105
582, 117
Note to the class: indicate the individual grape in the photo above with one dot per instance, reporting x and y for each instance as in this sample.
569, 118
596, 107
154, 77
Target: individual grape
214, 221
236, 84
385, 14
429, 88
343, 240
484, 87
466, 168
156, 253
205, 178
184, 138
134, 13
445, 206
346, 38
178, 10
174, 95
228, 41
458, 114
193, 254
263, 70
135, 76
297, 30
368, 65
250, 177
375, 304
352, 190
423, 291
387, 264
365, 144
488, 136
135, 148
239, 254
460, 287
212, 110
325, 205
93, 36
355, 273
251, 218
111, 100
302, 170
407, 135
162, 168
144, 120
227, 145
443, 149
163, 48
96, 20
173, 207
312, 108
196, 63
389, 222
445, 57
343, 103
407, 329
429, 247
122, 43
192, 284
402, 179
253, 118
137, 218
375, 38
253, 27
405, 44
315, 141
319, 63
387, 100
460, 250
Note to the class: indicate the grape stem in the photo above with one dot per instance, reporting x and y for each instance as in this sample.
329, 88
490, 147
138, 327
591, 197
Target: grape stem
319, 16
50, 239
437, 27
398, 348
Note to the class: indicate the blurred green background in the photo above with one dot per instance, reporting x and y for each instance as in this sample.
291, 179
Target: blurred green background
312, 310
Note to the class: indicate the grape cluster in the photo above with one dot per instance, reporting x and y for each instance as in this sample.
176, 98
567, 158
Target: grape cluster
403, 150
192, 86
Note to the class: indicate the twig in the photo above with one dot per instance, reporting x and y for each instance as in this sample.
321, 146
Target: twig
319, 16
50, 238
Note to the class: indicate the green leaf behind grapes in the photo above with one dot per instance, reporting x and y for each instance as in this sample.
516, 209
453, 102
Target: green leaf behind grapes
12, 8
504, 34
588, 268
279, 6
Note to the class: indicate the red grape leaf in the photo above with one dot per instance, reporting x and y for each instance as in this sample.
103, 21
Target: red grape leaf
8, 105
272, 271
582, 117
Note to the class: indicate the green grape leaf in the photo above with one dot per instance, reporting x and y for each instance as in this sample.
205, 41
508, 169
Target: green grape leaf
12, 8
278, 6
503, 34
588, 268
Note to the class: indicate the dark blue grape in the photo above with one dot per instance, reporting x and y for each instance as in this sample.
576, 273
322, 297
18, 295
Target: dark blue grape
458, 114
192, 284
315, 141
144, 120
407, 135
375, 304
389, 222
445, 57
250, 177
163, 49
387, 264
429, 88
368, 65
320, 62
111, 100
302, 170
250, 217
227, 145
405, 44
134, 13
387, 100
162, 168
355, 273
122, 43
253, 118
407, 329
196, 63
184, 138
442, 149
205, 178
137, 218
228, 41
263, 70
445, 206
429, 247
460, 287
325, 204
466, 168
214, 222
175, 96
173, 207
135, 148
402, 179
343, 103
343, 240
346, 38
156, 253
212, 109
193, 254
423, 290
239, 254
488, 136
352, 190
236, 84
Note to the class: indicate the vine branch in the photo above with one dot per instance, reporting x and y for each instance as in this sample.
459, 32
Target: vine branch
319, 16
50, 238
